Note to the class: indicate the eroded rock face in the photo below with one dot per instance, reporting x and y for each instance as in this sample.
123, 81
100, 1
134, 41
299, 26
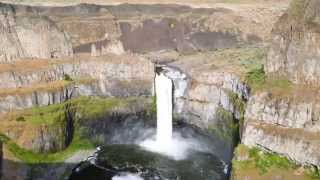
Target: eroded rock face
36, 98
139, 28
295, 49
286, 125
202, 101
10, 48
294, 143
199, 96
284, 111
41, 38
288, 122
172, 34
34, 36
108, 76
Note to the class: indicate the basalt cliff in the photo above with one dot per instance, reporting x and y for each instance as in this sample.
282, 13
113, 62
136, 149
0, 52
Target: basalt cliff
245, 71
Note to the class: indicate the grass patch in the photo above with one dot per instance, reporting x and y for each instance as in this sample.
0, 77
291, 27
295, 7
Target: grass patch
85, 108
92, 107
45, 115
263, 161
255, 163
256, 78
259, 81
238, 60
29, 157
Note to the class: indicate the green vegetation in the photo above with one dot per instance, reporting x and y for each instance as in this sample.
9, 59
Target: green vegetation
313, 172
258, 164
237, 60
258, 80
240, 107
262, 160
226, 126
44, 115
20, 119
239, 104
30, 157
92, 107
86, 108
265, 160
67, 77
254, 59
296, 9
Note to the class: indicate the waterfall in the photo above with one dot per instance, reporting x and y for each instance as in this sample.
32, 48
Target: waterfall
165, 141
164, 109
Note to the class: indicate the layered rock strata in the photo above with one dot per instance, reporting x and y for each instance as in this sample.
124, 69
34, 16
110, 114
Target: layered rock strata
30, 36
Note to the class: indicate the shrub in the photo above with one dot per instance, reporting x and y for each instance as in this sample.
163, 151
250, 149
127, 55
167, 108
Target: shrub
67, 77
256, 78
20, 119
265, 160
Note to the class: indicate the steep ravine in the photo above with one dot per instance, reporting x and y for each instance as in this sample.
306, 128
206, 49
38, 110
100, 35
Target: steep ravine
75, 70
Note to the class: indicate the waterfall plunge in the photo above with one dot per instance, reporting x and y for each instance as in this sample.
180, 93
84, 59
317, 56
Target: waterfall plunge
166, 142
164, 109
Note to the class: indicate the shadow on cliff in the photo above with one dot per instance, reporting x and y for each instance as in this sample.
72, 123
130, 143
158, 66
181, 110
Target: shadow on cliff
15, 170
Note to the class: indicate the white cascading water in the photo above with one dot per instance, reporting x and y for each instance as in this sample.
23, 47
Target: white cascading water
165, 142
164, 109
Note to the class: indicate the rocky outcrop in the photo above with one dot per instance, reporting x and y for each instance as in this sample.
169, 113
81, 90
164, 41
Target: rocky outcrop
34, 36
52, 129
116, 76
44, 138
204, 98
140, 29
288, 125
200, 95
10, 48
287, 121
284, 111
41, 38
295, 47
296, 144
35, 97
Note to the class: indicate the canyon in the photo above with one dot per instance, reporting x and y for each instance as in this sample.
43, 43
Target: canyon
243, 71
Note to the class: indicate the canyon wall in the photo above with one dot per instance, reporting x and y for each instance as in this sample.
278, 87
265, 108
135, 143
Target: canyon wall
295, 46
103, 76
284, 118
34, 37
52, 55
